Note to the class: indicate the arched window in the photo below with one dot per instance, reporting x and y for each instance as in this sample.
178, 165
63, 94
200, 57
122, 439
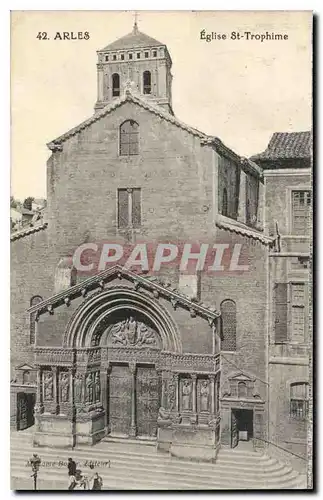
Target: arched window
229, 325
299, 400
147, 82
129, 138
242, 390
32, 327
225, 202
115, 85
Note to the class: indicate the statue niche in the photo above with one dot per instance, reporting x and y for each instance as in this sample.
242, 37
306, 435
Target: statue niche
131, 332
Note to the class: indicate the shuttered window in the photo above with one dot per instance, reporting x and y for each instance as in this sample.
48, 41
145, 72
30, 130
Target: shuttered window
129, 207
298, 312
229, 325
299, 401
281, 312
301, 205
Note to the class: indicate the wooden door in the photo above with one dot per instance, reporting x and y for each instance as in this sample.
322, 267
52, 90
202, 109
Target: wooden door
234, 429
120, 400
147, 401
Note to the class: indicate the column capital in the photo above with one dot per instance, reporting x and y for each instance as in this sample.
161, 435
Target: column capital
194, 377
132, 367
212, 377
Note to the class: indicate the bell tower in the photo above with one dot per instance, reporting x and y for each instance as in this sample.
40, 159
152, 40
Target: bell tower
137, 60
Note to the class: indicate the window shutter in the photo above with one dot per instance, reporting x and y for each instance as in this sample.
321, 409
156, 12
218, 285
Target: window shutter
281, 310
136, 208
123, 208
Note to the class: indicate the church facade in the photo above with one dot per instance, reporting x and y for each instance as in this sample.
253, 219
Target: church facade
189, 358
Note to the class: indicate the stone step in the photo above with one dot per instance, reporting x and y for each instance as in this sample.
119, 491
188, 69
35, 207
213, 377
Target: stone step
177, 472
269, 466
124, 480
175, 469
141, 451
158, 464
136, 465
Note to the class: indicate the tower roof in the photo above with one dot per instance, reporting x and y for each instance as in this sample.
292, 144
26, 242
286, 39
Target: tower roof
135, 39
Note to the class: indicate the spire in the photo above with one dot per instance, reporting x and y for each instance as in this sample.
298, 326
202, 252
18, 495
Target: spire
135, 25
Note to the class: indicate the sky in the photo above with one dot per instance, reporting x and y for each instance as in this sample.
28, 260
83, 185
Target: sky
241, 91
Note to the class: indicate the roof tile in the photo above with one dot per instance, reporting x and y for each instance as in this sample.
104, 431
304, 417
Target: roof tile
287, 145
133, 40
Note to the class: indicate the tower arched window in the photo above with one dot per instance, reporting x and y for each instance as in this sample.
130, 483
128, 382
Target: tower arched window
229, 325
225, 202
129, 138
32, 326
115, 85
147, 82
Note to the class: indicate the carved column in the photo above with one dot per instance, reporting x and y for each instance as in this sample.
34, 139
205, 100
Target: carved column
194, 398
71, 393
133, 429
39, 393
176, 382
212, 378
105, 396
194, 394
55, 389
217, 393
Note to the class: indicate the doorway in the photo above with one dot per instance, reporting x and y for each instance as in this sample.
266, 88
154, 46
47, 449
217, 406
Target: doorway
241, 426
25, 410
135, 399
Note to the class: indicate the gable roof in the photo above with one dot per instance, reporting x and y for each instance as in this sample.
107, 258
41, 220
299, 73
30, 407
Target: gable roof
133, 40
149, 283
287, 145
219, 146
127, 97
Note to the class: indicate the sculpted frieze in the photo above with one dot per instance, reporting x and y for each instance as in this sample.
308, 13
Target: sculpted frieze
131, 332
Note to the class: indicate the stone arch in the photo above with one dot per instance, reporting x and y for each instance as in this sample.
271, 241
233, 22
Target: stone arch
87, 317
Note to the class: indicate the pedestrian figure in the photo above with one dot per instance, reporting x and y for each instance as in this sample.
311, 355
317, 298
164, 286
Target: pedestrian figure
78, 482
95, 480
71, 467
35, 462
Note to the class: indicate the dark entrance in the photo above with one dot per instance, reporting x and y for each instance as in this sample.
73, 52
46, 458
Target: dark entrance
241, 426
25, 410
